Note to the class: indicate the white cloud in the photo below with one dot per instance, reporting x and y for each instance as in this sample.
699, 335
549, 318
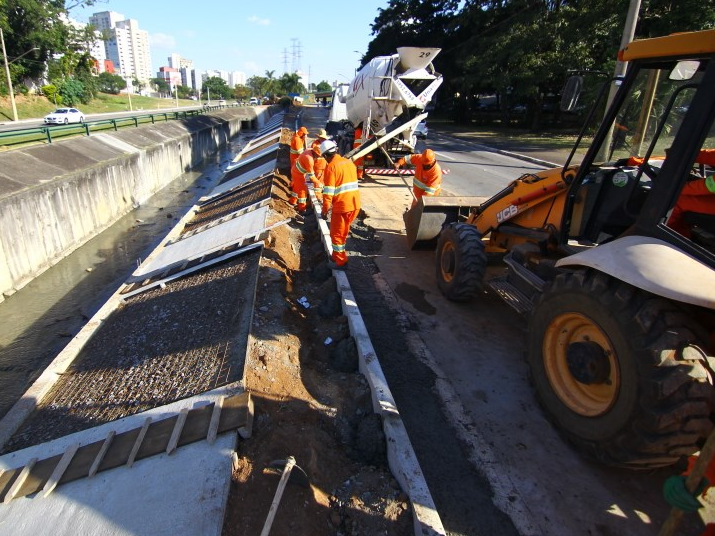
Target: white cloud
161, 40
258, 21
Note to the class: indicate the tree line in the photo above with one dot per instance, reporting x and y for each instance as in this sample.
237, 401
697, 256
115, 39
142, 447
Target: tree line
521, 51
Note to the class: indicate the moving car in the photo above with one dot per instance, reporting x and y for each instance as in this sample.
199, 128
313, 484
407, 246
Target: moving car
63, 116
421, 130
253, 101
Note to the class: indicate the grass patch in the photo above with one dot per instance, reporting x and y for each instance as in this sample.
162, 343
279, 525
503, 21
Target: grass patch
35, 107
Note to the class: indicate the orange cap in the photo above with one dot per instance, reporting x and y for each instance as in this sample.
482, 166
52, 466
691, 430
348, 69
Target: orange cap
302, 131
429, 157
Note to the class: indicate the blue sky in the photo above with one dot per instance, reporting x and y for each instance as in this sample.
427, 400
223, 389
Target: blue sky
253, 37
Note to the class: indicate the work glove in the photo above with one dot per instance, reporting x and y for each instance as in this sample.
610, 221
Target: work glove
324, 214
676, 494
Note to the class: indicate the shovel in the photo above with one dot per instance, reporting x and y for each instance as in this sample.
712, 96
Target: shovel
296, 477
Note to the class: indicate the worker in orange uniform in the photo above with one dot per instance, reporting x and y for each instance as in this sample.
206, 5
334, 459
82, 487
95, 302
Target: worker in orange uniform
428, 174
341, 193
297, 144
357, 141
697, 195
300, 173
319, 163
678, 496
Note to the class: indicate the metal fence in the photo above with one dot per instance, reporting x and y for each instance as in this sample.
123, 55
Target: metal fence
49, 133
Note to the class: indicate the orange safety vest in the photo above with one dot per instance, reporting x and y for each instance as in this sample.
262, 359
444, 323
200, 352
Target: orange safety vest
426, 181
341, 186
297, 146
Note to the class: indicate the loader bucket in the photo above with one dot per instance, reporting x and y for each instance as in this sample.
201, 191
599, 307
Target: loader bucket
425, 220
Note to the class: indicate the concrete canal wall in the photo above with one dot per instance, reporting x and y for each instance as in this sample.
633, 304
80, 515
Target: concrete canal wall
55, 197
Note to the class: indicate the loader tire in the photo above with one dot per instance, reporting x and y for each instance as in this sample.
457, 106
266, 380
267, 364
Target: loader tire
619, 371
461, 262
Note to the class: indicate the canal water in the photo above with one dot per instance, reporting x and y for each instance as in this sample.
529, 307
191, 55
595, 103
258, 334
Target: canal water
38, 321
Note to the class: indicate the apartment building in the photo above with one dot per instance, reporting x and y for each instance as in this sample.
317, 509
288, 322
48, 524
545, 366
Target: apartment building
126, 45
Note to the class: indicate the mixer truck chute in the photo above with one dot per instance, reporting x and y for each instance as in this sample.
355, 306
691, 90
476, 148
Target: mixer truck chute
386, 100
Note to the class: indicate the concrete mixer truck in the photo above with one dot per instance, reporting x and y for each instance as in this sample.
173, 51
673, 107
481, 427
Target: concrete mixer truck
375, 117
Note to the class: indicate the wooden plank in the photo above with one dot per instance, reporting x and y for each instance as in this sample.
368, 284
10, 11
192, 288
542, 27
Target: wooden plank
100, 455
215, 416
176, 433
20, 480
60, 469
138, 442
246, 431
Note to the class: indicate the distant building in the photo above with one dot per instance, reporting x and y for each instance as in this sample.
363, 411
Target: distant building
171, 76
126, 45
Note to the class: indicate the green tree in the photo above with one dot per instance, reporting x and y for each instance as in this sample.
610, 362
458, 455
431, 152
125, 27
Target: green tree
259, 85
38, 25
216, 87
161, 85
323, 86
241, 93
73, 92
111, 83
290, 84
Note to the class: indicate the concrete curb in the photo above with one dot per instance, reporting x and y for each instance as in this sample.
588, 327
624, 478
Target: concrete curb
401, 457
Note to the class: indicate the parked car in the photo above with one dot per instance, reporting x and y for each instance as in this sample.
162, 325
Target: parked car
421, 130
63, 116
222, 102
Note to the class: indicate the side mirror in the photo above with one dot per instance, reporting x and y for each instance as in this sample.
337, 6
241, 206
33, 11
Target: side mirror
571, 93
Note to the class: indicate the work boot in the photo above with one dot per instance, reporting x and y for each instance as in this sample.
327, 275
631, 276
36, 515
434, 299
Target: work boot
299, 218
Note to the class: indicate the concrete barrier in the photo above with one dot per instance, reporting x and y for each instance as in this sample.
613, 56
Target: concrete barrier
55, 197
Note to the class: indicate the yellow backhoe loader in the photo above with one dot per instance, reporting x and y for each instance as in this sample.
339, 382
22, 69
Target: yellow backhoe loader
610, 261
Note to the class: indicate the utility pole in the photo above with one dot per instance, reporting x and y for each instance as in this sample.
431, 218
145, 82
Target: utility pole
7, 74
629, 31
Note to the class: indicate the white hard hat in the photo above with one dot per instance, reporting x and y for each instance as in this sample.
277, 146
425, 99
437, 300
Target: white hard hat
327, 147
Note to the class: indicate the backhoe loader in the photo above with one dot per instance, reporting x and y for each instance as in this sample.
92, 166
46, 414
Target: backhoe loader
608, 261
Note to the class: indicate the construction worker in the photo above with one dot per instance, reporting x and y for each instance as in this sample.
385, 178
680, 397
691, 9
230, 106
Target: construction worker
428, 174
319, 163
357, 141
297, 144
341, 193
320, 137
302, 171
697, 196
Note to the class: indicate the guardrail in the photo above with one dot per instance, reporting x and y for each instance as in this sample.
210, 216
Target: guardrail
48, 133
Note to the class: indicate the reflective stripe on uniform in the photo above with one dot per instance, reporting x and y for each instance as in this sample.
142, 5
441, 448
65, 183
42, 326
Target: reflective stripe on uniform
300, 168
343, 188
338, 247
424, 187
295, 151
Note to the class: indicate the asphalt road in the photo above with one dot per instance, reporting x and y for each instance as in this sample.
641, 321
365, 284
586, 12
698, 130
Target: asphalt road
477, 352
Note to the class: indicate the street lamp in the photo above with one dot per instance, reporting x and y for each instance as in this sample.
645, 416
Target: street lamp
130, 86
7, 72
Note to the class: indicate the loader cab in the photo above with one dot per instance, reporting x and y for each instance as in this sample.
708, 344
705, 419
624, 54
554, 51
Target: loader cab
648, 153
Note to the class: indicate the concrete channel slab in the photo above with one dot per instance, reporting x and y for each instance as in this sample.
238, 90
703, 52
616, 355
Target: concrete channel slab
182, 493
205, 242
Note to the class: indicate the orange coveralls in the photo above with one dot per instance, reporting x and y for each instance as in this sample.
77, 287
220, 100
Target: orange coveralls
297, 144
340, 191
300, 172
426, 181
696, 196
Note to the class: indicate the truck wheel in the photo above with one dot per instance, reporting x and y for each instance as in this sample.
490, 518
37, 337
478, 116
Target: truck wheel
461, 262
619, 372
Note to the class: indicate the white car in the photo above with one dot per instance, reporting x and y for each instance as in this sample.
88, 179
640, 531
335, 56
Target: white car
253, 101
63, 116
421, 130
